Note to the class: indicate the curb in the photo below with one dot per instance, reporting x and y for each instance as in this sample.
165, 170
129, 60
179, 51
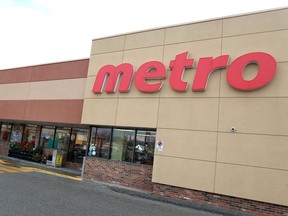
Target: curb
177, 202
135, 192
180, 202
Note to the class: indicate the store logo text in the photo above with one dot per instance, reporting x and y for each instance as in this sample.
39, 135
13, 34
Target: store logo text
109, 77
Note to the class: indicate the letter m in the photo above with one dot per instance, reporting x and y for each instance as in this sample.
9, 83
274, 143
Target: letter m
109, 76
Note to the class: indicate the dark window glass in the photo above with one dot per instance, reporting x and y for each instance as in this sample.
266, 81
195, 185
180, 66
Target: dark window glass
47, 137
31, 135
17, 133
92, 145
5, 132
129, 145
144, 148
62, 138
78, 145
123, 145
100, 142
103, 140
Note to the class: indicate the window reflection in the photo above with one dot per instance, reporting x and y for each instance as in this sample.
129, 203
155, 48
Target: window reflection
78, 145
136, 146
70, 142
144, 149
100, 142
47, 137
5, 132
92, 146
62, 139
16, 135
122, 145
103, 140
31, 135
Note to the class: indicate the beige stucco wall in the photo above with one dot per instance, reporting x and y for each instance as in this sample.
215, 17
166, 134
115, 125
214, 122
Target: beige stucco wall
200, 152
44, 90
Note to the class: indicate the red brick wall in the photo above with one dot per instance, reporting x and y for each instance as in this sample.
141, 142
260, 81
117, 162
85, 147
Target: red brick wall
250, 206
4, 148
140, 177
71, 165
117, 172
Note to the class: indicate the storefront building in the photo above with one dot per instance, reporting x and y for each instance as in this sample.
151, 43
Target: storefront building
196, 111
42, 106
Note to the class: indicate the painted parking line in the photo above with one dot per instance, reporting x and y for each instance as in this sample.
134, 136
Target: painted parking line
59, 174
6, 167
4, 162
11, 169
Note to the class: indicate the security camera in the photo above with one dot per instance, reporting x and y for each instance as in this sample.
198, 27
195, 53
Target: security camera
233, 129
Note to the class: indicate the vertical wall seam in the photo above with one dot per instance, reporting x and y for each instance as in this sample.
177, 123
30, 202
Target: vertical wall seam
28, 94
162, 59
157, 120
117, 102
218, 117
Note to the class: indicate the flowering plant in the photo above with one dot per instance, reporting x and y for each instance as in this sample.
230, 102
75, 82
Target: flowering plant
27, 146
40, 158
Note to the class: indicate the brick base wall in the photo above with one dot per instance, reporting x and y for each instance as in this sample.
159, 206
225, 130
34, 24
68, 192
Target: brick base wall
140, 177
4, 148
116, 172
71, 165
250, 206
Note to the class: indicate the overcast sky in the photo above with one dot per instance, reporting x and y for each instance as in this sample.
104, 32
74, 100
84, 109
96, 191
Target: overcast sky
44, 31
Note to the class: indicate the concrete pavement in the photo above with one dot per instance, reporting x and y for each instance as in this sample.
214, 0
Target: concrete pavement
121, 191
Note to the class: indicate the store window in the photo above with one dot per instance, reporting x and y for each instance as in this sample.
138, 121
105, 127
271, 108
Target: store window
78, 145
5, 132
92, 145
136, 146
122, 148
144, 148
62, 138
47, 137
31, 135
100, 142
16, 134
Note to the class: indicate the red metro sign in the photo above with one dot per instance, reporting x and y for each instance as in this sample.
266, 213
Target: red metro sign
108, 77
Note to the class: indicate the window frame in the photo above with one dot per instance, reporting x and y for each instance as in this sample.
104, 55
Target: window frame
12, 127
8, 138
111, 140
